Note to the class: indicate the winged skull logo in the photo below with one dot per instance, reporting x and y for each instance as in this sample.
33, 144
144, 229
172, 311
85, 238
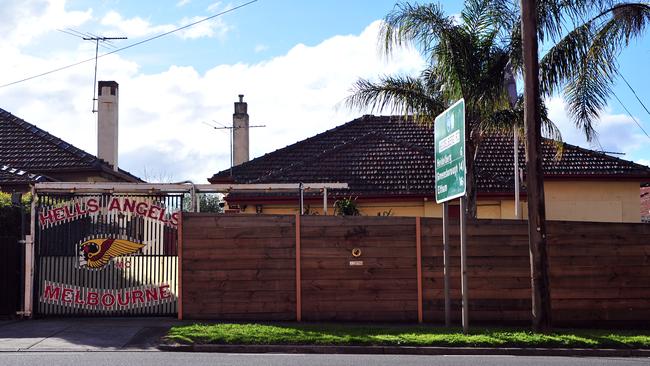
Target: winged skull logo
96, 253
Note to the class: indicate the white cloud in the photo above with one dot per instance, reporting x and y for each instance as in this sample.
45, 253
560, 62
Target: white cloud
139, 27
216, 6
133, 27
294, 95
616, 132
23, 21
183, 2
215, 27
261, 48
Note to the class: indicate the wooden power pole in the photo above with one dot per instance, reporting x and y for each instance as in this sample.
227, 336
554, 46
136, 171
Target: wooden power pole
541, 294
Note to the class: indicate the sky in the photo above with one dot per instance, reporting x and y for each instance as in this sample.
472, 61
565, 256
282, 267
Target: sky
293, 60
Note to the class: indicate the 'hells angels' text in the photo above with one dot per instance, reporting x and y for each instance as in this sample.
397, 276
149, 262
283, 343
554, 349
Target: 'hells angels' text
75, 209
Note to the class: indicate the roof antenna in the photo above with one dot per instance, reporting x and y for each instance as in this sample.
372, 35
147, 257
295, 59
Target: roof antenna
97, 39
221, 126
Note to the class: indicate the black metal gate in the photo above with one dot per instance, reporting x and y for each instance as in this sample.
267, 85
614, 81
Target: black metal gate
11, 259
106, 254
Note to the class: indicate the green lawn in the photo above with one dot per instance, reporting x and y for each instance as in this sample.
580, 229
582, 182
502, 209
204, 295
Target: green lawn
421, 335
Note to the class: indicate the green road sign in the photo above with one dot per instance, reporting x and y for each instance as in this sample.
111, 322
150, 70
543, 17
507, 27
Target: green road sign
449, 131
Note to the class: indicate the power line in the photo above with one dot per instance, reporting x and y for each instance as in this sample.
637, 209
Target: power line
633, 92
232, 136
631, 116
129, 46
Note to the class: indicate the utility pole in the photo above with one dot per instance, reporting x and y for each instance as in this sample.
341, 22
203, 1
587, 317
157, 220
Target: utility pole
232, 131
541, 294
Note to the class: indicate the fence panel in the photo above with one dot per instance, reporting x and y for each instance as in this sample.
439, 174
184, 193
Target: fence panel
238, 267
358, 268
243, 267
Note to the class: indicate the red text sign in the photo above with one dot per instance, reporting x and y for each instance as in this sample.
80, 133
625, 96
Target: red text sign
102, 299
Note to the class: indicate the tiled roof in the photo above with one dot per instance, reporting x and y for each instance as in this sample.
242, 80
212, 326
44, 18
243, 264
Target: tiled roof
10, 175
27, 147
390, 156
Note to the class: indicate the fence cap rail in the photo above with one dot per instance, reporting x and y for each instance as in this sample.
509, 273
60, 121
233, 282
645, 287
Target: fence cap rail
83, 187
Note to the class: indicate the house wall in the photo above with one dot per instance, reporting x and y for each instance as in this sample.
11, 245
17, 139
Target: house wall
565, 200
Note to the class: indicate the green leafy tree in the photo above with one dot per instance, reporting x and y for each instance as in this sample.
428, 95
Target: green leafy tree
208, 202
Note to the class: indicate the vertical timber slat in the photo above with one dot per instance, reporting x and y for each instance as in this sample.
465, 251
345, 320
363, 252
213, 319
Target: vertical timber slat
418, 250
298, 274
180, 266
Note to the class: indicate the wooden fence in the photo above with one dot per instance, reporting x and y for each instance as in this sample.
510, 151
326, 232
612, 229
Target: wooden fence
244, 267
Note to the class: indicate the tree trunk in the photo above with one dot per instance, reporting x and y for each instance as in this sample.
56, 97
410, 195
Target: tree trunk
541, 296
471, 149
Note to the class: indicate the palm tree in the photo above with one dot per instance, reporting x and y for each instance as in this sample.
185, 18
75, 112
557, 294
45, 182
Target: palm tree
478, 57
583, 63
469, 59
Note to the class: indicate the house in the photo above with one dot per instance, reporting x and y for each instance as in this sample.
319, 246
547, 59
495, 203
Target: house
388, 163
29, 154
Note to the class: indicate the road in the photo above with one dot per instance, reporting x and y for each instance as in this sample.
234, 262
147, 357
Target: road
199, 359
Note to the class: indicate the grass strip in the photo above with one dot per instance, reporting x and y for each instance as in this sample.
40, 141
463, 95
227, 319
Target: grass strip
418, 335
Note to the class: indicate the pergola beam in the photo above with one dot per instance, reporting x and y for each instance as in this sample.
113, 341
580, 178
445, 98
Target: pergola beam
79, 187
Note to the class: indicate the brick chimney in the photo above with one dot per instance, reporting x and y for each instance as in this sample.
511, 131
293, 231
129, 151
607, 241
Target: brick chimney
107, 122
240, 131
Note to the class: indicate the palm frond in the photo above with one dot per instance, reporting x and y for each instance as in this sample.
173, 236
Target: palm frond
628, 20
419, 25
398, 95
478, 17
587, 93
563, 60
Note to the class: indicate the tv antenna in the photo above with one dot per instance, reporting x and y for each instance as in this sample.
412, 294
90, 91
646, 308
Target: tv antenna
106, 43
221, 126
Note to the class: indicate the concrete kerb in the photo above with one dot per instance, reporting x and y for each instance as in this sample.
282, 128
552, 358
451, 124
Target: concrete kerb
403, 350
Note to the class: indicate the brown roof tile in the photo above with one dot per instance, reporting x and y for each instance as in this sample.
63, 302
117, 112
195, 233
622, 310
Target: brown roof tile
26, 147
390, 156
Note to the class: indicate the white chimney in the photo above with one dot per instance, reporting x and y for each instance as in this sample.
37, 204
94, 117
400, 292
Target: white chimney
107, 122
240, 131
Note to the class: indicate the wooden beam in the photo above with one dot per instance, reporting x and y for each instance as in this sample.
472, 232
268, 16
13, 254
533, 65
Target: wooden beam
180, 266
298, 274
178, 187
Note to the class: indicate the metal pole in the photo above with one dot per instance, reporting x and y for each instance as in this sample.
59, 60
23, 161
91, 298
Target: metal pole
325, 201
232, 133
463, 262
302, 201
541, 296
446, 263
29, 260
516, 171
95, 96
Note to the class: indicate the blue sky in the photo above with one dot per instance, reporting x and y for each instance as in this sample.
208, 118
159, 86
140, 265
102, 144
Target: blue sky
294, 61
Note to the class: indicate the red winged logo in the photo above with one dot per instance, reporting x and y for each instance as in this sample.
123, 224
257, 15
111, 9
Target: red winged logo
96, 253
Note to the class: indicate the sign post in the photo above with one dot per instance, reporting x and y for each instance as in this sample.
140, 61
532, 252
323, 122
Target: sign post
449, 129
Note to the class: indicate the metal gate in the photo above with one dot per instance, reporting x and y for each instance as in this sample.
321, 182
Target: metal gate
11, 259
106, 254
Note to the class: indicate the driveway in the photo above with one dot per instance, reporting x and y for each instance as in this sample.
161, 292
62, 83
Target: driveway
91, 334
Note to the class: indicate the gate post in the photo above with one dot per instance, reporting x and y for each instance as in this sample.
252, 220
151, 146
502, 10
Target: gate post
29, 276
28, 304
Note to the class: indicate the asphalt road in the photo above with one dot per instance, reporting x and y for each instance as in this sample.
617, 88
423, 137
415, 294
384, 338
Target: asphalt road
199, 359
